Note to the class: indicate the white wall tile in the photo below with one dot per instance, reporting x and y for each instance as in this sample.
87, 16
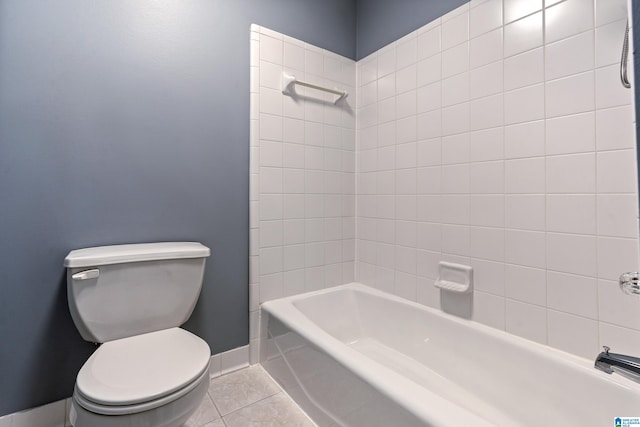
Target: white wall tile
426, 293
616, 172
271, 49
607, 43
406, 155
567, 18
429, 236
271, 206
429, 208
486, 17
487, 177
455, 179
429, 151
386, 86
526, 284
572, 294
486, 112
293, 256
486, 80
526, 320
270, 233
455, 149
313, 63
525, 248
429, 43
271, 287
405, 181
455, 89
270, 127
406, 130
386, 60
609, 91
486, 48
610, 10
486, 243
455, 31
293, 57
489, 310
524, 140
455, 209
406, 104
406, 208
623, 340
617, 215
569, 253
615, 307
455, 119
455, 239
572, 55
406, 233
616, 256
488, 276
524, 69
455, 60
572, 334
525, 212
570, 95
516, 9
524, 105
486, 144
571, 134
562, 209
525, 175
294, 282
429, 97
573, 173
614, 128
406, 259
429, 70
429, 180
523, 35
271, 260
406, 79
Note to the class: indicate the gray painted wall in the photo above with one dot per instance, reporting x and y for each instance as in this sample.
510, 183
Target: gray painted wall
126, 121
380, 22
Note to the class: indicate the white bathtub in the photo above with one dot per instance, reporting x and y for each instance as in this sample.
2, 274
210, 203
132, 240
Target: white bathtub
355, 356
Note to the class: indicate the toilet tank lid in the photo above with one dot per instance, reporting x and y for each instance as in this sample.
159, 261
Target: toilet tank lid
119, 254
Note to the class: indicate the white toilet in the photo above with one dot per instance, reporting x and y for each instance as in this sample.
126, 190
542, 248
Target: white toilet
133, 298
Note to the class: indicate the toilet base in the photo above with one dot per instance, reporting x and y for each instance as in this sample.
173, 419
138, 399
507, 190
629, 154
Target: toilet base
172, 414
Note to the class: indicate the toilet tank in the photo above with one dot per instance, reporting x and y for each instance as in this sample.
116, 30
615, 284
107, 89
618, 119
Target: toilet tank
125, 290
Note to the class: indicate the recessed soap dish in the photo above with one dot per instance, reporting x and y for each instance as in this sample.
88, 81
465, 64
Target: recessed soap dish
454, 277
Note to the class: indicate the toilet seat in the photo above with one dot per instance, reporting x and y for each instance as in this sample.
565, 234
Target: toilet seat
139, 373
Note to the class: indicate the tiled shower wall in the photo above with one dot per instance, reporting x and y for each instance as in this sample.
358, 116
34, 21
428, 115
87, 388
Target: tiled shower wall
499, 136
302, 172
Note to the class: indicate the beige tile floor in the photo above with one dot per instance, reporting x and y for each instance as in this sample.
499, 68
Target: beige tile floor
247, 398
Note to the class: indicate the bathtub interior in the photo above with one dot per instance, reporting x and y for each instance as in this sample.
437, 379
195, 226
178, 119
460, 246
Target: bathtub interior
500, 378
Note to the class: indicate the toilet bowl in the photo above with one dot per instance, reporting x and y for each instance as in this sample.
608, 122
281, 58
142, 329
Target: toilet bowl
132, 298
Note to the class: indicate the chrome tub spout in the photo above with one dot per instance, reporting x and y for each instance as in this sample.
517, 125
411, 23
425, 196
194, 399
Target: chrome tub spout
627, 366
